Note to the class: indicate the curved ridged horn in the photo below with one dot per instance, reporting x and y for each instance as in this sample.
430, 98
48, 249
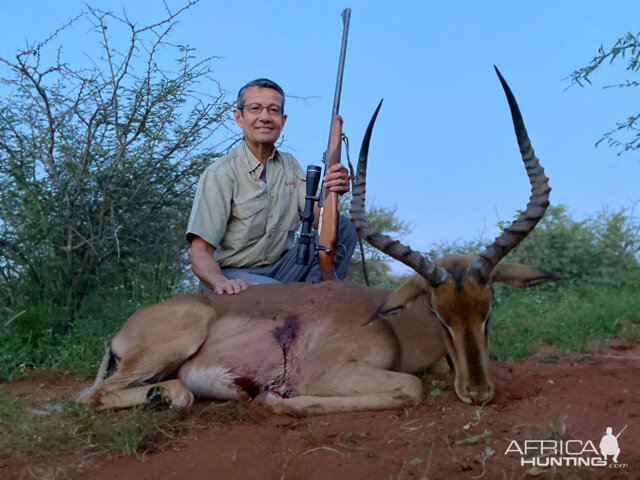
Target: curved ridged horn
482, 267
435, 275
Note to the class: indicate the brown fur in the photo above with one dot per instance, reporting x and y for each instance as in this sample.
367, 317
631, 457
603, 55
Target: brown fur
303, 348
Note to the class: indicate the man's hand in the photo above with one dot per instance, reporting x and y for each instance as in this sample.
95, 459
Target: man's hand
229, 287
337, 179
208, 271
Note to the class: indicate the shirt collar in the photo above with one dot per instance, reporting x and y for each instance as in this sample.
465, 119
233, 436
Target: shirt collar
252, 161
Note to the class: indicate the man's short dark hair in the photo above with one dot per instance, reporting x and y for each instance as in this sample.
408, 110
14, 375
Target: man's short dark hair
262, 83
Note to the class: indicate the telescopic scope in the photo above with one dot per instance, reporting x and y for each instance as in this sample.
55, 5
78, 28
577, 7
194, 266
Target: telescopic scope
306, 236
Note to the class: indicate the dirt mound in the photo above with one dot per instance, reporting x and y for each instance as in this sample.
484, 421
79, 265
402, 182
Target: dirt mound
567, 405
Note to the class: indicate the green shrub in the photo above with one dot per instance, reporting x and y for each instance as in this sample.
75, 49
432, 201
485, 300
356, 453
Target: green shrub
568, 315
598, 246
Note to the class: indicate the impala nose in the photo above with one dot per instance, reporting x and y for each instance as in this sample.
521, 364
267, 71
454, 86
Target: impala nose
478, 393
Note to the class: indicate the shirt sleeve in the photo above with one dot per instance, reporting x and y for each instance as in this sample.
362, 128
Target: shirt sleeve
211, 206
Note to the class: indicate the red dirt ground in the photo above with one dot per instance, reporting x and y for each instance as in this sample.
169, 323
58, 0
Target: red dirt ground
441, 439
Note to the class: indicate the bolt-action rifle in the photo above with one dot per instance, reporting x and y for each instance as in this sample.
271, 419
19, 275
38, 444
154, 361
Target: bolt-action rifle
328, 201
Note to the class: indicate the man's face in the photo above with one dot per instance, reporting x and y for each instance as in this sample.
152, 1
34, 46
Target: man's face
262, 128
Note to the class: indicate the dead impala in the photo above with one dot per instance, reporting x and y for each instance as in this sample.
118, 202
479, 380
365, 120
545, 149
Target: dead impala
331, 346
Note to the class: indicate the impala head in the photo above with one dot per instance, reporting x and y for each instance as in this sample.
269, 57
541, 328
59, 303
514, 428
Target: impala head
459, 288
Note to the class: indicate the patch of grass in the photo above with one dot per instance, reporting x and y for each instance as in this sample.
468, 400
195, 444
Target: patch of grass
224, 412
129, 431
52, 472
311, 440
30, 344
42, 336
568, 315
38, 430
629, 332
552, 358
485, 437
353, 436
29, 430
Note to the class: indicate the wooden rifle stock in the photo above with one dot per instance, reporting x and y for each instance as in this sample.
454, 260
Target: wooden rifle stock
328, 228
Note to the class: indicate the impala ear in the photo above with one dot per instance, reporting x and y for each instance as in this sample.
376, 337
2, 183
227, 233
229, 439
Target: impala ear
522, 276
401, 299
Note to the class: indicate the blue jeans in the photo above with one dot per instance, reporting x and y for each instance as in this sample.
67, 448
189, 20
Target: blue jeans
286, 270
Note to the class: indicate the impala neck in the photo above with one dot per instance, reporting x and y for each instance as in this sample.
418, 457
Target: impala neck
412, 328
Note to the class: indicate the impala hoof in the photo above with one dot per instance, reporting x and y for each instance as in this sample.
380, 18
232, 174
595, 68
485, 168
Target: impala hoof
174, 393
183, 399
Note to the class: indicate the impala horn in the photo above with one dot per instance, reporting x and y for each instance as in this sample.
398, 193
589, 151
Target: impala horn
429, 270
511, 236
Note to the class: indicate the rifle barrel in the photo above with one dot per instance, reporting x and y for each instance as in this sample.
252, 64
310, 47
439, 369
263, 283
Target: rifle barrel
346, 16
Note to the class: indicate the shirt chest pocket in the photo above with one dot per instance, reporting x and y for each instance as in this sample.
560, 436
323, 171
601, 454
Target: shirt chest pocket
289, 203
248, 220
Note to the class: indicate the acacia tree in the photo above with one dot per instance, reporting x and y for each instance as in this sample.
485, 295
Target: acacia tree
626, 135
98, 164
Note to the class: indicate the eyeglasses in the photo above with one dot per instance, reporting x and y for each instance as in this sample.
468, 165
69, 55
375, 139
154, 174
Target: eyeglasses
256, 109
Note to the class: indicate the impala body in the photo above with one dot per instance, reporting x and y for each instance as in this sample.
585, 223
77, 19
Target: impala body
331, 346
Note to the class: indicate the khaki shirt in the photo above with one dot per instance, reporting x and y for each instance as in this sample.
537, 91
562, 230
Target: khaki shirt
249, 222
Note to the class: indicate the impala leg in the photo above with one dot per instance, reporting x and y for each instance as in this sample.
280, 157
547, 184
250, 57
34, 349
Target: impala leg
440, 367
356, 387
122, 389
172, 392
144, 352
117, 392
